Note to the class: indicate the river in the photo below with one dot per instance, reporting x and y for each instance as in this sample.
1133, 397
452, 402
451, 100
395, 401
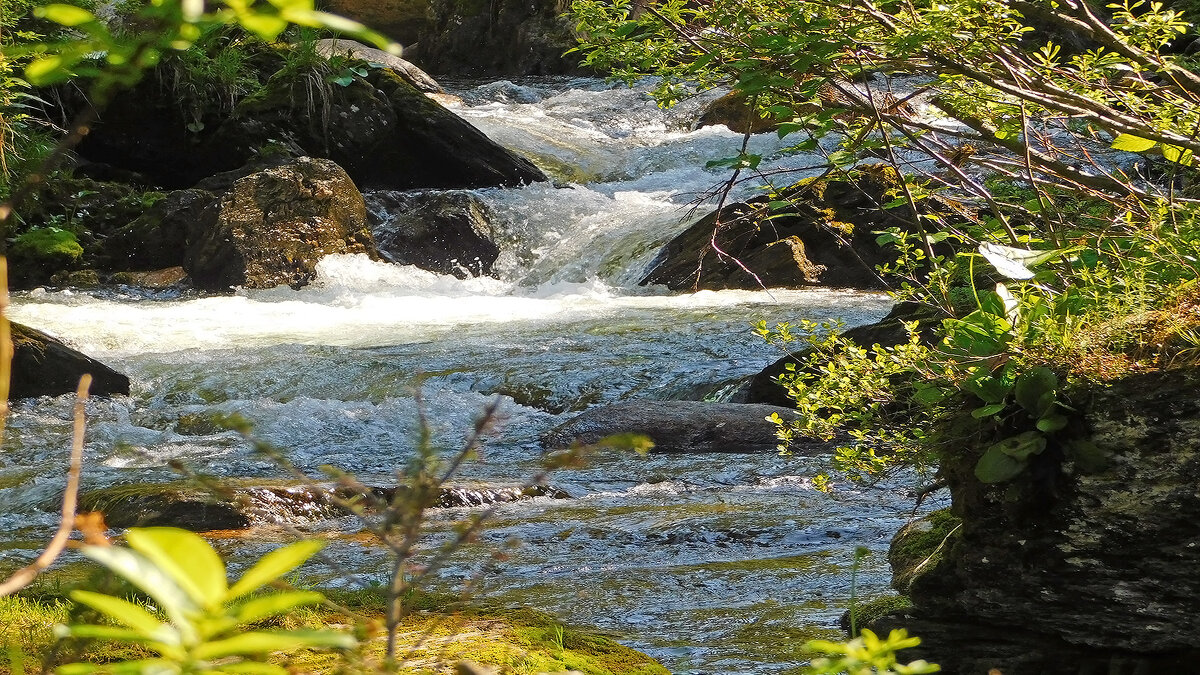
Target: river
711, 563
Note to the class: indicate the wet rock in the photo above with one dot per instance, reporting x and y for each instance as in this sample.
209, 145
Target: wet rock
44, 366
238, 504
825, 237
157, 239
1072, 568
734, 112
356, 50
273, 226
170, 277
677, 426
386, 133
887, 332
443, 232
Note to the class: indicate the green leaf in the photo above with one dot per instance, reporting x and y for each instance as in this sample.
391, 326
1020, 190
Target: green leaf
1131, 143
254, 668
1022, 446
988, 410
989, 389
121, 610
67, 15
1088, 457
1052, 423
47, 70
266, 26
1031, 389
258, 642
274, 565
194, 565
997, 467
276, 603
1174, 153
156, 583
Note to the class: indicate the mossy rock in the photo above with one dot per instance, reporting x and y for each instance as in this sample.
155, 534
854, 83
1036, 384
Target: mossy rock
867, 612
921, 546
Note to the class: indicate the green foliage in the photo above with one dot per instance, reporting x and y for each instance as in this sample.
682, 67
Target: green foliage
867, 654
208, 622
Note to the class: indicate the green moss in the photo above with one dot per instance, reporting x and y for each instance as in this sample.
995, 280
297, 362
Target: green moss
867, 611
921, 546
48, 243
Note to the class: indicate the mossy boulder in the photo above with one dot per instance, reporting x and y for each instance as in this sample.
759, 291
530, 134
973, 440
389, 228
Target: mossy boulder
382, 130
1072, 566
44, 366
443, 232
273, 226
825, 236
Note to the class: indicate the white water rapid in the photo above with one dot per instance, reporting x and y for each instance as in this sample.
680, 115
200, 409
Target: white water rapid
712, 564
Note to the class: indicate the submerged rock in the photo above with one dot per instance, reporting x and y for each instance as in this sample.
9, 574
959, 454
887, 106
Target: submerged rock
1074, 568
826, 236
443, 232
44, 366
677, 426
273, 226
239, 504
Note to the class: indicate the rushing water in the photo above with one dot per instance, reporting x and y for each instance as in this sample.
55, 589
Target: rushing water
713, 564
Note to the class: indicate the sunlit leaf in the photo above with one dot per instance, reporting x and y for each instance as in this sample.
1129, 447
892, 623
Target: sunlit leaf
144, 574
67, 15
276, 603
194, 565
1131, 143
257, 642
122, 611
274, 565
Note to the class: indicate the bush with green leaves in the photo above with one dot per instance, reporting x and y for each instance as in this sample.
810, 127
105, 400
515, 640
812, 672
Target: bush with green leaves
198, 622
867, 655
1083, 256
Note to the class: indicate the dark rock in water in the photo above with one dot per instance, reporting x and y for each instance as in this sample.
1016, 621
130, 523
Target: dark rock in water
44, 366
273, 226
357, 50
887, 332
1086, 561
825, 237
734, 112
443, 232
677, 426
504, 37
237, 504
382, 130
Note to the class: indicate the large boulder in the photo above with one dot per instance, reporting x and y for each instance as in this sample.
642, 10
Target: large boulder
382, 130
677, 426
1073, 566
443, 232
469, 37
44, 366
273, 226
825, 236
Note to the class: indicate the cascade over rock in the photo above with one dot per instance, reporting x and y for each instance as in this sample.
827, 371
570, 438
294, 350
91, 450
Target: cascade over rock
677, 426
1063, 570
44, 366
273, 226
443, 232
825, 236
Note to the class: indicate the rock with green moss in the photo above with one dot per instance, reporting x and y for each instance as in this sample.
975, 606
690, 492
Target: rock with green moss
1073, 566
920, 546
273, 226
43, 366
824, 236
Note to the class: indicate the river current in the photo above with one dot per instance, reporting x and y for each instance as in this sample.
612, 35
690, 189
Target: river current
711, 563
